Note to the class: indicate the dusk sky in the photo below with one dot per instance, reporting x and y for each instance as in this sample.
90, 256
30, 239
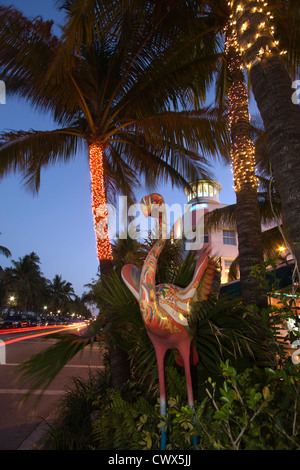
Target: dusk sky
57, 223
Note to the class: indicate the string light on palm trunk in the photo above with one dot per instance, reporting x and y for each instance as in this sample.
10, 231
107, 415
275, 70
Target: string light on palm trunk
99, 204
255, 18
242, 148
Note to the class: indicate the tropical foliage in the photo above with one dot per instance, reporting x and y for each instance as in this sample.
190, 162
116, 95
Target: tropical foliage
224, 330
255, 409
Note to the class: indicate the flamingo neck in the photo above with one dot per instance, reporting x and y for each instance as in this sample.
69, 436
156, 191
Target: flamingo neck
150, 264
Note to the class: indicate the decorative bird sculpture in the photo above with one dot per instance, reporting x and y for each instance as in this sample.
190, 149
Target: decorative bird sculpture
165, 307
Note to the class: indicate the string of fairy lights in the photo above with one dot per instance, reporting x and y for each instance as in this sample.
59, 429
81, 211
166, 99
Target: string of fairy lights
242, 148
99, 205
249, 54
259, 20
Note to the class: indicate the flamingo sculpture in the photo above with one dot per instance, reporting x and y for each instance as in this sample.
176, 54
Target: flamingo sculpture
165, 307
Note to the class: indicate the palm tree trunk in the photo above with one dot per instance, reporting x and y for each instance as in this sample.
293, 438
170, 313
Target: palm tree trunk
119, 362
243, 161
99, 202
272, 89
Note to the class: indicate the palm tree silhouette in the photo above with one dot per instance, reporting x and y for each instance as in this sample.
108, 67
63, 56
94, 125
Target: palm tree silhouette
25, 278
60, 291
4, 251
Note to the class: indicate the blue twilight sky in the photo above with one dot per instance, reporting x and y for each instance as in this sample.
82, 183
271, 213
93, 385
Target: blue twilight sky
57, 223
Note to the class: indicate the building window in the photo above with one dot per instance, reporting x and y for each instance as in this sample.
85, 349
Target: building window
229, 237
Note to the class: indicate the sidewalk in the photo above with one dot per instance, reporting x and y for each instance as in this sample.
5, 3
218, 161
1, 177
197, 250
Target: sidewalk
35, 439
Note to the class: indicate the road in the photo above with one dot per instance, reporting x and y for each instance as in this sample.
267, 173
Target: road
18, 422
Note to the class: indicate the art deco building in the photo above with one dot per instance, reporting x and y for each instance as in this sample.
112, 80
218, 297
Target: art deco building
202, 197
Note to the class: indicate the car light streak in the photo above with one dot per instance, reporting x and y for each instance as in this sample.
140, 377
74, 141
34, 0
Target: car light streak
4, 331
22, 338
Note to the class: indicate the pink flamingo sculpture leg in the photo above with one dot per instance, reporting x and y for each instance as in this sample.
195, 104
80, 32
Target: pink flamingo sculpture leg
185, 351
160, 351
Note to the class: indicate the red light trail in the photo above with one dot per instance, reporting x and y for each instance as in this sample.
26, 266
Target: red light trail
22, 338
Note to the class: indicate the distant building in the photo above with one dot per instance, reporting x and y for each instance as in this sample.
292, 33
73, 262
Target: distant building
202, 197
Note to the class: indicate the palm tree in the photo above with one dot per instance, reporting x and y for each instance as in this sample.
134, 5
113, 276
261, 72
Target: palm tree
60, 293
272, 88
245, 182
117, 93
27, 282
233, 18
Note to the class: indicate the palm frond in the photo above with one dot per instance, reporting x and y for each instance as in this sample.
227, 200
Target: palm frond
28, 152
203, 131
223, 216
42, 368
5, 251
226, 216
272, 240
26, 47
85, 21
222, 332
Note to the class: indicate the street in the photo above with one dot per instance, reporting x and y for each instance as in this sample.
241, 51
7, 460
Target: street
18, 421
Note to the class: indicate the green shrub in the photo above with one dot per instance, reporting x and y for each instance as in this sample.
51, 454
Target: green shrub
257, 409
72, 427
